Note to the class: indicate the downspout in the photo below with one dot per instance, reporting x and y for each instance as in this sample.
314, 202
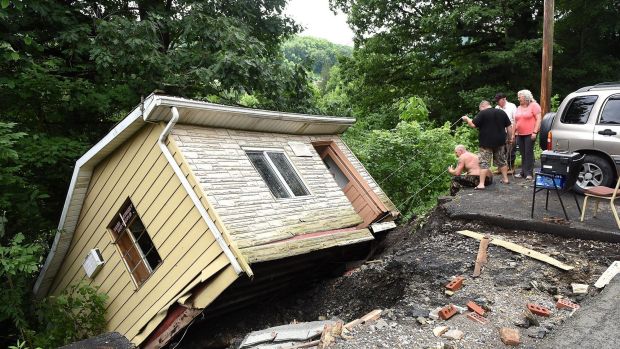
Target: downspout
192, 194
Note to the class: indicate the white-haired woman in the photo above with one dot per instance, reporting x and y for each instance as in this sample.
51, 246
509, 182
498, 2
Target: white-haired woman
527, 124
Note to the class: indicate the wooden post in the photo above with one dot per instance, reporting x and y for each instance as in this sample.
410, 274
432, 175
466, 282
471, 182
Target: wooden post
547, 58
481, 258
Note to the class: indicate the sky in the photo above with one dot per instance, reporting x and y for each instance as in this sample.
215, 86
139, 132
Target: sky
319, 21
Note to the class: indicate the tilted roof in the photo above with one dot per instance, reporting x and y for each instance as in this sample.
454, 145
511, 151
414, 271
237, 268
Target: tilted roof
156, 108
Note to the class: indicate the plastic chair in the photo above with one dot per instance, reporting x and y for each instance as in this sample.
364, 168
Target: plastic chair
602, 193
567, 185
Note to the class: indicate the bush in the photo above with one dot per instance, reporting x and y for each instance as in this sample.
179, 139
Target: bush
74, 315
410, 161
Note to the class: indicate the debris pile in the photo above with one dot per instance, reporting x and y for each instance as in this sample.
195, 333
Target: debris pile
445, 286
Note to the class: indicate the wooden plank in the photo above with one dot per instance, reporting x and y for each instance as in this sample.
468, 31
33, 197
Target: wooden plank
297, 247
133, 324
481, 258
519, 249
371, 316
609, 274
176, 320
215, 287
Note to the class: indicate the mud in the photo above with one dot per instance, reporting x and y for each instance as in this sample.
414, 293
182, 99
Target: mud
406, 278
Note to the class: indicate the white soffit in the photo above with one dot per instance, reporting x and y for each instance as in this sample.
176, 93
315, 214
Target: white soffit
220, 116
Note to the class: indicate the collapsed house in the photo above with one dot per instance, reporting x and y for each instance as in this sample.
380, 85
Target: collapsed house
182, 197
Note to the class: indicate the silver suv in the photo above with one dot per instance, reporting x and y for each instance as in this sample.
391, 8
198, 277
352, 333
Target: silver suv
588, 122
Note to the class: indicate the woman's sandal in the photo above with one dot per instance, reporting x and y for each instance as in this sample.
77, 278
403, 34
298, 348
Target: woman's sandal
504, 182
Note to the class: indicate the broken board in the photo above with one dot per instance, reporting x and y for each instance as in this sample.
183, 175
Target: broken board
519, 249
609, 274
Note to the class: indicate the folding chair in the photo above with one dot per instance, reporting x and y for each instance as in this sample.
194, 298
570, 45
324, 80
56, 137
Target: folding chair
602, 193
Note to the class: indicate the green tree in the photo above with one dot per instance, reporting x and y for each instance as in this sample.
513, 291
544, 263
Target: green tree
454, 53
445, 52
319, 54
70, 70
410, 159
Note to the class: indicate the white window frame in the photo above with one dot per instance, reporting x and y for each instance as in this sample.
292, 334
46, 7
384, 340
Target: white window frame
277, 172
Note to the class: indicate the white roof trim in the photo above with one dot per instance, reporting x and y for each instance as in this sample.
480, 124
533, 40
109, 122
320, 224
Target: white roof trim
269, 114
121, 132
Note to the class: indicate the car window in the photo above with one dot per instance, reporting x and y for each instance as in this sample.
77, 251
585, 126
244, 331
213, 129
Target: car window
578, 110
611, 112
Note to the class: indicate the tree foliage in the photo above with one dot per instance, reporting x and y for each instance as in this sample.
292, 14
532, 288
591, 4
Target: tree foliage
454, 53
411, 159
70, 70
319, 55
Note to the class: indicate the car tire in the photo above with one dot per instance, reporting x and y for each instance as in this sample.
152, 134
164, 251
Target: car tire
595, 171
545, 127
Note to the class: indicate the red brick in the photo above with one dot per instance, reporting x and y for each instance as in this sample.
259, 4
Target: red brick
509, 336
471, 305
455, 284
564, 303
447, 312
477, 318
538, 309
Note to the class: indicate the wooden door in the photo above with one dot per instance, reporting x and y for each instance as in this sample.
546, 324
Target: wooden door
364, 200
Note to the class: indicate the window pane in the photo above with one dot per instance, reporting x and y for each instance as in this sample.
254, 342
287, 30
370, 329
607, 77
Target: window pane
288, 173
269, 176
146, 244
578, 110
611, 112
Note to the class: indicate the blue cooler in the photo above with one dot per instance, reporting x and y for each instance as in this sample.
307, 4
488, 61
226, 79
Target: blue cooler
547, 182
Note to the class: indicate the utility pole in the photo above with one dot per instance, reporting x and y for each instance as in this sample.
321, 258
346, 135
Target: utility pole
547, 58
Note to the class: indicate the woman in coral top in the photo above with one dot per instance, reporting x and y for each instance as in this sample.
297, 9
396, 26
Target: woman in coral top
527, 124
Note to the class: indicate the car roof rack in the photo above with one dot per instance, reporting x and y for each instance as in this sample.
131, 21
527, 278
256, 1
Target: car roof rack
601, 86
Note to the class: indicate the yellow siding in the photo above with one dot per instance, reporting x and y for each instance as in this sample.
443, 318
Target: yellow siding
138, 170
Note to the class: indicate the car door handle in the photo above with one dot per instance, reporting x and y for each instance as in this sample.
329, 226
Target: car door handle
607, 132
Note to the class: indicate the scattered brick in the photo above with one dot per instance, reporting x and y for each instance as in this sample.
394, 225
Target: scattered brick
447, 312
455, 284
471, 305
477, 318
564, 303
538, 309
509, 336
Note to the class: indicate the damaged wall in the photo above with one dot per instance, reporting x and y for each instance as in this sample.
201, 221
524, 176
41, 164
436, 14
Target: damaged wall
245, 204
138, 170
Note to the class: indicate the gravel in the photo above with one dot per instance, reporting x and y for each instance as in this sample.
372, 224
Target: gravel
406, 279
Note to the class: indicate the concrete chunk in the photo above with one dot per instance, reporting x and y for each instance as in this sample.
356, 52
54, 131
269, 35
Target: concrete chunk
286, 333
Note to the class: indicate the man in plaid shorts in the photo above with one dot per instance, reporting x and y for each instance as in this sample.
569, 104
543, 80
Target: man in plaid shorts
468, 163
495, 130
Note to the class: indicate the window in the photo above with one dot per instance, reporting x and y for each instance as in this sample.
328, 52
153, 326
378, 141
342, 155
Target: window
277, 171
134, 243
611, 112
578, 110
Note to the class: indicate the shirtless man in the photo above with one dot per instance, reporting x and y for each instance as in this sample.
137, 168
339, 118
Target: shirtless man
470, 163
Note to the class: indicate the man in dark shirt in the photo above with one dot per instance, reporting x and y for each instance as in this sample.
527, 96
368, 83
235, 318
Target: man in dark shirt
495, 130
